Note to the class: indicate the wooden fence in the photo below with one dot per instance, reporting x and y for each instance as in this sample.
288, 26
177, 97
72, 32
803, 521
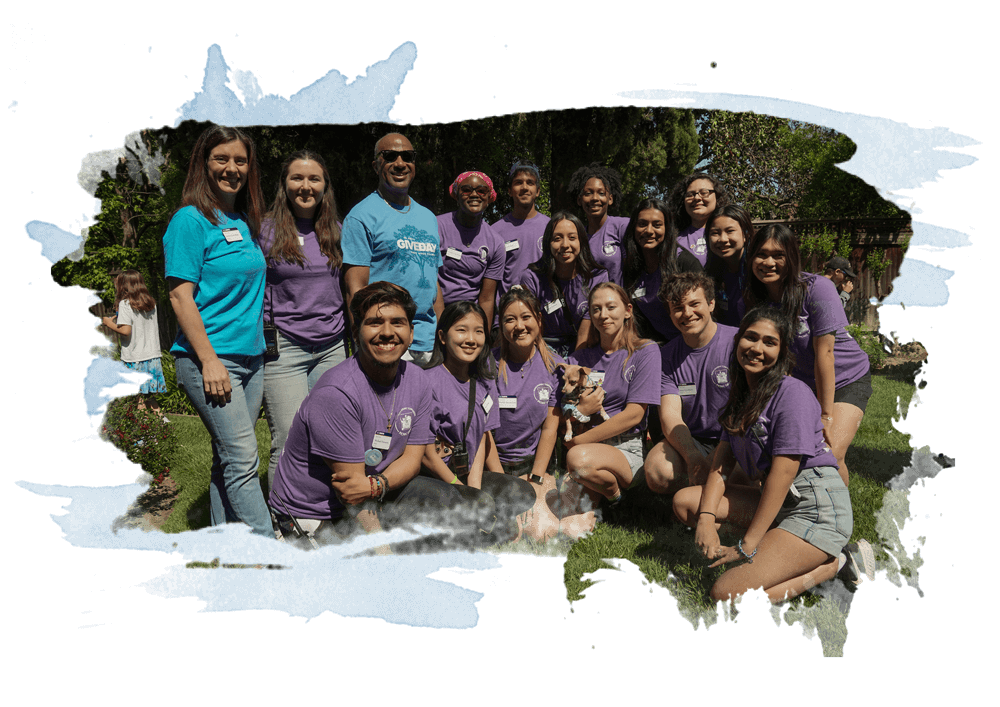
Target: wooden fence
888, 234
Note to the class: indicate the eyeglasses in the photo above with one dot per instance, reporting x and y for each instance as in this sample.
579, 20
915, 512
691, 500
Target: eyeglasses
391, 156
469, 191
703, 193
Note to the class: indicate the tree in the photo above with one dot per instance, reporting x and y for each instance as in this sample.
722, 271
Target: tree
750, 156
832, 192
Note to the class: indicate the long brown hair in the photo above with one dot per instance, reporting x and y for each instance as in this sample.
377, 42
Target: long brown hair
628, 337
793, 289
744, 405
519, 294
130, 286
285, 243
198, 190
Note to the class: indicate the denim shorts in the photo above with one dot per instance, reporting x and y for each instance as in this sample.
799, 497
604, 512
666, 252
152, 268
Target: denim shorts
631, 447
821, 514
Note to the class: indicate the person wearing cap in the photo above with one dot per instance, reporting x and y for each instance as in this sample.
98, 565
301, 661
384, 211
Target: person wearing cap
389, 236
839, 271
472, 253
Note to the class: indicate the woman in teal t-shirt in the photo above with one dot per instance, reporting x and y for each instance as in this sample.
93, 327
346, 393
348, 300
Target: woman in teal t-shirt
215, 272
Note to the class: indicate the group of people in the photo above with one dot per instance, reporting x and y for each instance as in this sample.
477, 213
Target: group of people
409, 365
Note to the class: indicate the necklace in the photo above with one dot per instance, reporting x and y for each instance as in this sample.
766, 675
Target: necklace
392, 406
409, 203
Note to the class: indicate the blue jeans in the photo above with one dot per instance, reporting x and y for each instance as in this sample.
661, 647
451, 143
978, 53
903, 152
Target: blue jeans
287, 381
234, 492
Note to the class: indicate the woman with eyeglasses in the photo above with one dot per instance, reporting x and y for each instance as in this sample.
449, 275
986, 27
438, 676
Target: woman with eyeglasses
827, 359
693, 199
473, 252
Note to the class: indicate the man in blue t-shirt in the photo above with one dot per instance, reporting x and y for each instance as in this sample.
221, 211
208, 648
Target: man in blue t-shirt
389, 236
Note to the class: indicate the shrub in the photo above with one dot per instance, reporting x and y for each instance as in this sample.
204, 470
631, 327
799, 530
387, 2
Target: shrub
145, 437
870, 343
174, 400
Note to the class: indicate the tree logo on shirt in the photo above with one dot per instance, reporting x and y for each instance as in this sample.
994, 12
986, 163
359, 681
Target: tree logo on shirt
610, 248
581, 309
543, 391
630, 373
415, 245
484, 253
803, 326
720, 376
541, 239
404, 420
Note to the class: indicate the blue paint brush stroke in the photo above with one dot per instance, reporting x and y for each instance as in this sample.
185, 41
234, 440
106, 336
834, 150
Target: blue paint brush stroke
919, 284
925, 234
221, 105
102, 373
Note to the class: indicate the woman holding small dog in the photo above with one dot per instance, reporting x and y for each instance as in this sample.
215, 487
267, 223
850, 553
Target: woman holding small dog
461, 379
529, 417
605, 457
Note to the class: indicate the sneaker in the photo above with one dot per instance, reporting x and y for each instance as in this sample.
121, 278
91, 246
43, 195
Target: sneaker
860, 559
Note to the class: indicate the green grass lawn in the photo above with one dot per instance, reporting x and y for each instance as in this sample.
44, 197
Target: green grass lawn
642, 529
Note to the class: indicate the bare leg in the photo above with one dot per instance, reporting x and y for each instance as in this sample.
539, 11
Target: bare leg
666, 470
542, 521
784, 566
846, 421
600, 468
737, 506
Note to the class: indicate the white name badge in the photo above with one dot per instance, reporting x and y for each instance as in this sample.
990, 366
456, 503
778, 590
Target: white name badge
381, 440
232, 235
552, 306
453, 253
688, 389
511, 245
640, 292
302, 241
597, 377
487, 404
508, 402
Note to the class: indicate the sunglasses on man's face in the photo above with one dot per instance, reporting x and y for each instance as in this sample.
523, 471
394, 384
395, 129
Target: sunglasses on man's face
391, 156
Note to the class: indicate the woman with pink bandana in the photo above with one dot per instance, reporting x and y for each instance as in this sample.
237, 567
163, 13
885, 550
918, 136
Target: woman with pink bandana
473, 252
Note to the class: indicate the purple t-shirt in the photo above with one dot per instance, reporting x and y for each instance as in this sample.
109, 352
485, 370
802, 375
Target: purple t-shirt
556, 321
306, 303
823, 313
451, 406
468, 256
338, 421
694, 240
638, 383
645, 295
788, 425
524, 404
522, 244
701, 378
606, 246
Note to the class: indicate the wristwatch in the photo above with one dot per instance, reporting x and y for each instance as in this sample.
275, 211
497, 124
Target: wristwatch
535, 478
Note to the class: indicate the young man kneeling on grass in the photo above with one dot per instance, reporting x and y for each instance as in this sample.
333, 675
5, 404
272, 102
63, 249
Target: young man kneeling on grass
355, 445
694, 385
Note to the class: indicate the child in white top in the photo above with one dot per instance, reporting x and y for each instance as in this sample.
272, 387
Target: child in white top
136, 321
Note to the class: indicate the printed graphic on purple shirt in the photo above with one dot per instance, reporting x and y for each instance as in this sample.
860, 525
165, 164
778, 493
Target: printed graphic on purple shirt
606, 246
637, 383
701, 378
789, 425
694, 240
338, 421
525, 399
467, 256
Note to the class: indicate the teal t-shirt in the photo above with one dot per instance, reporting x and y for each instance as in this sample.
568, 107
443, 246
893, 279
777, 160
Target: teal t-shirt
228, 270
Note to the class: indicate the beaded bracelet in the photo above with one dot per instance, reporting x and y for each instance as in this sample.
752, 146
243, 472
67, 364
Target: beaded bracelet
384, 482
374, 483
748, 558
